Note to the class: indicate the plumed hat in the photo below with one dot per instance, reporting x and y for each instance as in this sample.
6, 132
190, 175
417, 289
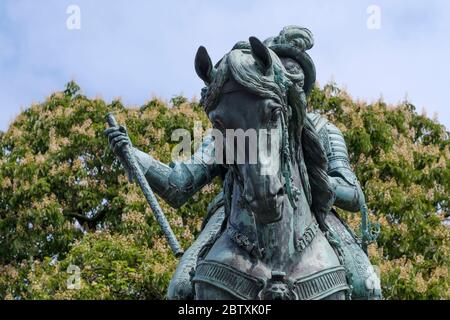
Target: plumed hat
293, 42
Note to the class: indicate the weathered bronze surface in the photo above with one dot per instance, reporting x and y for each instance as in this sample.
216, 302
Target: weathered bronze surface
267, 236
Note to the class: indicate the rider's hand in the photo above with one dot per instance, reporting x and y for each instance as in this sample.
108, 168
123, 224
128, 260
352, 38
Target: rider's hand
118, 138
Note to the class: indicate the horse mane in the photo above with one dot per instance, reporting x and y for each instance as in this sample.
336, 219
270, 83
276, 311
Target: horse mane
287, 89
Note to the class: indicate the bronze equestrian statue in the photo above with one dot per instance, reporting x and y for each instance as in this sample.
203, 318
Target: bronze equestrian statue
272, 235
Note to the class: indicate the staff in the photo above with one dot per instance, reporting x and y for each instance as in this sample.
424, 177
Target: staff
130, 160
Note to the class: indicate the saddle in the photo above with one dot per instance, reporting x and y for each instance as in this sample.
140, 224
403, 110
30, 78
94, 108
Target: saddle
243, 286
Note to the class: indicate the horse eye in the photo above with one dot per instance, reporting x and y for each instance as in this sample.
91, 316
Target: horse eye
275, 114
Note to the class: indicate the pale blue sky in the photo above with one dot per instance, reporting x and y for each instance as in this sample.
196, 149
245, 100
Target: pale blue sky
139, 49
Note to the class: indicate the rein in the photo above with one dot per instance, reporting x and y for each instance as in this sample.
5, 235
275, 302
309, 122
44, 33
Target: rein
292, 191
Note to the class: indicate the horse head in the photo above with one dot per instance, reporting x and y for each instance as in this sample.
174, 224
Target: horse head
248, 100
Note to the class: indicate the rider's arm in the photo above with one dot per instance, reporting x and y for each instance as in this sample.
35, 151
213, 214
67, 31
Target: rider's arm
342, 177
177, 182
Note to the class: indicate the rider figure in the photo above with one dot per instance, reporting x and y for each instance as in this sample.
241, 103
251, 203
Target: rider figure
180, 181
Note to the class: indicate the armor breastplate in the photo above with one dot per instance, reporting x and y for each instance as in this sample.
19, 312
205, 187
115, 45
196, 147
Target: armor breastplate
339, 170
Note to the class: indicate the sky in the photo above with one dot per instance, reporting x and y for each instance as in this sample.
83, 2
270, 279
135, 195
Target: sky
141, 49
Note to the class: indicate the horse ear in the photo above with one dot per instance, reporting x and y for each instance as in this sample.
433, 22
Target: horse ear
203, 65
261, 53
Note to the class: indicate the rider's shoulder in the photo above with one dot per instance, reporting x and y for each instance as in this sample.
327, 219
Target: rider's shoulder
321, 122
318, 120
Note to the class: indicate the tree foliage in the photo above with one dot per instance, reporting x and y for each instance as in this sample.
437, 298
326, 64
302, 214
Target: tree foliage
65, 201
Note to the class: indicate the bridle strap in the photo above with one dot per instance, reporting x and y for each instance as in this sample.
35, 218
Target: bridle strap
292, 191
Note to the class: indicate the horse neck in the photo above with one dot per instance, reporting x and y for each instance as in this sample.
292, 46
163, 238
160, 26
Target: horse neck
275, 239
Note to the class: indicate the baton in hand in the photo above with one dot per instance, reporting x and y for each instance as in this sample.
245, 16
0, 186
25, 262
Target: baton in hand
130, 160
